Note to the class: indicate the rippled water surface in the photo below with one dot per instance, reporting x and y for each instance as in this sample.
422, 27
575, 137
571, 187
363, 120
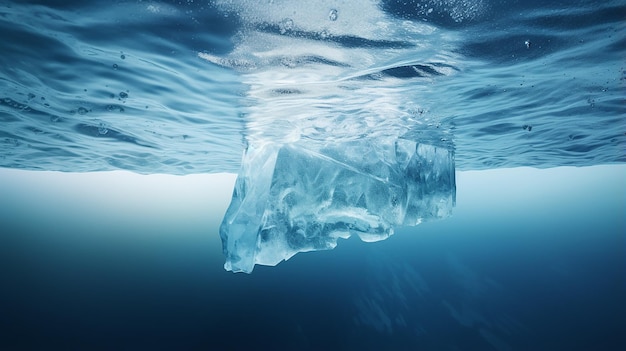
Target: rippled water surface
182, 86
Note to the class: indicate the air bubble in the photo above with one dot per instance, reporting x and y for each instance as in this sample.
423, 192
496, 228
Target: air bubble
123, 57
332, 15
115, 66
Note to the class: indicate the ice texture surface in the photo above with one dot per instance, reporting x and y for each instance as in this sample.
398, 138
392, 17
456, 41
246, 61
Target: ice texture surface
297, 197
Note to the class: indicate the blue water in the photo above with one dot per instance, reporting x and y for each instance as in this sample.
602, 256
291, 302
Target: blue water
179, 86
530, 260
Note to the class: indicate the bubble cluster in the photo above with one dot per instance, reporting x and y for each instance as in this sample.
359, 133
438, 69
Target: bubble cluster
285, 26
114, 108
102, 129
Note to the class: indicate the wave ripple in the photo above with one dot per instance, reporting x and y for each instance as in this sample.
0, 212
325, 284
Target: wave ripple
182, 87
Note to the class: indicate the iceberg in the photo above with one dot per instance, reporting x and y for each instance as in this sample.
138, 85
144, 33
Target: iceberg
300, 196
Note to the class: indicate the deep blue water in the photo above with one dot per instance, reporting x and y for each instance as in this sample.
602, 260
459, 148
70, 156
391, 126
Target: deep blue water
530, 259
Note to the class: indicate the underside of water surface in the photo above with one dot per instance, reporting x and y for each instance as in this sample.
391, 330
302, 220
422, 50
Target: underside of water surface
185, 87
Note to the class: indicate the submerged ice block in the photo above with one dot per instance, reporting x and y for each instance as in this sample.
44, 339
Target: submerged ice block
295, 197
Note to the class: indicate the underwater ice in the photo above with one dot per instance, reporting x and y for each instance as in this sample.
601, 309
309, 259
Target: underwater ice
297, 197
